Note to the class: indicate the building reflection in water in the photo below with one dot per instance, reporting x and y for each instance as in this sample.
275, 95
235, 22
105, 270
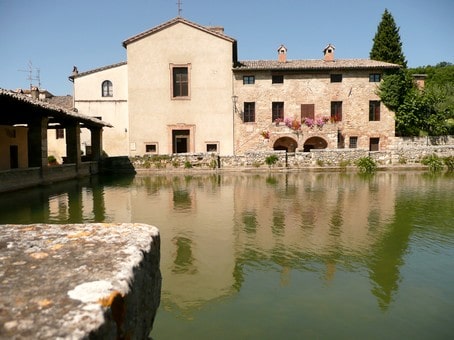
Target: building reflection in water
214, 226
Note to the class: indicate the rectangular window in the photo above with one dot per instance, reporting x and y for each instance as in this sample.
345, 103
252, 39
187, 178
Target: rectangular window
374, 110
374, 144
180, 81
249, 112
212, 147
277, 79
336, 78
151, 148
336, 111
307, 111
277, 111
60, 133
248, 80
374, 77
353, 142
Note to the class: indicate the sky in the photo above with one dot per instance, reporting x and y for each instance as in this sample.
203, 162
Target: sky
49, 37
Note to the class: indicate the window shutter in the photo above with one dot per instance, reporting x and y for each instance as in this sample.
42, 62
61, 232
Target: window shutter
307, 111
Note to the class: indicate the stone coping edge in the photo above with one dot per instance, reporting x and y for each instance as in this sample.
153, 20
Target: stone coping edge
79, 281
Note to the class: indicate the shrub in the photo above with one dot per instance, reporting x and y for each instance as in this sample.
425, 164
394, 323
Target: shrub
344, 163
187, 165
51, 160
366, 165
320, 162
213, 164
271, 160
434, 162
402, 160
449, 162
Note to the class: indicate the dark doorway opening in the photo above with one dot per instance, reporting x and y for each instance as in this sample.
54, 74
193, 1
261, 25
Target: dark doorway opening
374, 144
13, 156
180, 140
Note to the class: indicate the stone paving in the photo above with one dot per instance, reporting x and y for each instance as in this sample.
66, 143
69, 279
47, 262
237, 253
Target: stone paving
74, 281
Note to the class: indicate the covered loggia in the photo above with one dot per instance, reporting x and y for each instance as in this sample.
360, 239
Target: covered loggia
24, 123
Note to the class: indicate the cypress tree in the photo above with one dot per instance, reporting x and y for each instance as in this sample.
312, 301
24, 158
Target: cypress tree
387, 45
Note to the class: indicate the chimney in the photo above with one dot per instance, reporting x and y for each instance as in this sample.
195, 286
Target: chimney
34, 92
328, 53
420, 81
282, 54
216, 29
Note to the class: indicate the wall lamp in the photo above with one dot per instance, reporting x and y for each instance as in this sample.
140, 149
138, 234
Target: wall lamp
235, 102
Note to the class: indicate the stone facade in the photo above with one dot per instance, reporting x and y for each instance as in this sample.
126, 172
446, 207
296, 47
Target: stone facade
313, 83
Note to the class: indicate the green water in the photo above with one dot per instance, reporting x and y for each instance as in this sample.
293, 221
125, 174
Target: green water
281, 255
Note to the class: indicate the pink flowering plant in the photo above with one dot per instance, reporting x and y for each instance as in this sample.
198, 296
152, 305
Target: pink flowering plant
309, 122
318, 122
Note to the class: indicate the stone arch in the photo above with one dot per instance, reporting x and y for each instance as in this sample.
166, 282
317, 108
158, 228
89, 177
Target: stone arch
315, 143
285, 143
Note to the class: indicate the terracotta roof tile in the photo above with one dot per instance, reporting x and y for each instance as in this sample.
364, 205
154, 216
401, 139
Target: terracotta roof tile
103, 68
311, 64
174, 21
56, 110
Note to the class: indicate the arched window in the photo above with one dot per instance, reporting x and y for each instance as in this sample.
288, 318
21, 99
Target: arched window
107, 88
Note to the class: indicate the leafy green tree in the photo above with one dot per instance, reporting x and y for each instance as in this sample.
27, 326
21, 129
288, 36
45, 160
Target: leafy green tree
394, 89
418, 115
428, 111
387, 45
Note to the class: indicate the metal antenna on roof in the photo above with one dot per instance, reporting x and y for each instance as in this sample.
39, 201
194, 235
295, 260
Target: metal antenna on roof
30, 76
179, 3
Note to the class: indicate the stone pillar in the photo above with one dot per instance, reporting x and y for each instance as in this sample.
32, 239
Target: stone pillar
37, 142
96, 143
73, 143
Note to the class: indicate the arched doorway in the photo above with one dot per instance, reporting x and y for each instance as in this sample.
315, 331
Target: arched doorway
285, 143
315, 143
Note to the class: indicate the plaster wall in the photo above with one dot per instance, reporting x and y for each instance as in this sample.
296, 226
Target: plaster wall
114, 110
207, 111
16, 136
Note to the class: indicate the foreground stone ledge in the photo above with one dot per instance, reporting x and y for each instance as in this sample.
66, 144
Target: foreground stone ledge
78, 281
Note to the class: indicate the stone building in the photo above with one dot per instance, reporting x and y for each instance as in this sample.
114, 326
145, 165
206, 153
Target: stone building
310, 104
183, 90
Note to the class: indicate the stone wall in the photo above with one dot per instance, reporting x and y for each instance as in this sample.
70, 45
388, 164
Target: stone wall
16, 179
314, 158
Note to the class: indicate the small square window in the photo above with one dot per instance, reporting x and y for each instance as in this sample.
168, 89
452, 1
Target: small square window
212, 147
151, 148
60, 133
277, 79
374, 77
353, 142
336, 78
248, 80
